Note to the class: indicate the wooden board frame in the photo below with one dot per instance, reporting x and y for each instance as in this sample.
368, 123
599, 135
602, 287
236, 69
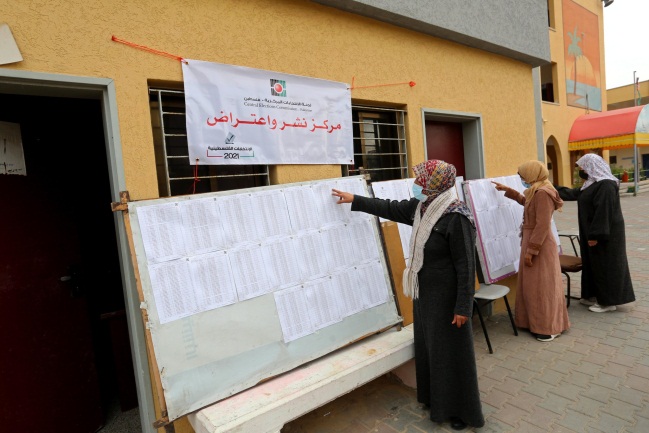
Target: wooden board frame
187, 385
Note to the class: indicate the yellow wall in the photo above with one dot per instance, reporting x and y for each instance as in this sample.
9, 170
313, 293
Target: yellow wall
293, 36
625, 96
297, 37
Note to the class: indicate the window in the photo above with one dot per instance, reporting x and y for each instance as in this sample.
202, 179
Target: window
379, 149
175, 175
379, 144
551, 14
612, 159
548, 80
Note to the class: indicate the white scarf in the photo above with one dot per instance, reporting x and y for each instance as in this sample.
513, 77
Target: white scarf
421, 229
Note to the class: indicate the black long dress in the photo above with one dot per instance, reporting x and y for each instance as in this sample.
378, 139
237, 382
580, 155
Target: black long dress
447, 378
605, 274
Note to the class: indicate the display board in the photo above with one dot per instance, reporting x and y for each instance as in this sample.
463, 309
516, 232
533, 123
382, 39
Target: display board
243, 285
498, 220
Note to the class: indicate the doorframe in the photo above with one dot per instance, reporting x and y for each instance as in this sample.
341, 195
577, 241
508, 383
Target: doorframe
19, 82
471, 135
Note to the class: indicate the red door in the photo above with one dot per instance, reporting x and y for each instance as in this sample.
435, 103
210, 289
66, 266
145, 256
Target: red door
48, 375
444, 140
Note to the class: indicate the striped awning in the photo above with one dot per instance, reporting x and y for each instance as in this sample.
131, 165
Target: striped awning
611, 129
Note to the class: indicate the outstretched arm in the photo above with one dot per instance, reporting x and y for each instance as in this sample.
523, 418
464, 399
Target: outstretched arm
510, 193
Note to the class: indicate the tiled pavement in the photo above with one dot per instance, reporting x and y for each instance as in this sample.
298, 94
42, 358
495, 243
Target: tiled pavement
594, 378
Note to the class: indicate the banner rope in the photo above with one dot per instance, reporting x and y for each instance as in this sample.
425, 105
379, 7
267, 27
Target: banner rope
151, 50
196, 179
410, 83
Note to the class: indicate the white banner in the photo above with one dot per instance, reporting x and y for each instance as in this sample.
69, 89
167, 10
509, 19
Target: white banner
239, 115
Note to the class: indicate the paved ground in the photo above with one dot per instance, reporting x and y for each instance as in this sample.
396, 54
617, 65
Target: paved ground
594, 378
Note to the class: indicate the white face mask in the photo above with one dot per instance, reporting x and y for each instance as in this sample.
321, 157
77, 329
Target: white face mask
417, 192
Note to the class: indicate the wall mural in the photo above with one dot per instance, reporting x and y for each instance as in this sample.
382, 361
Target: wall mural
582, 57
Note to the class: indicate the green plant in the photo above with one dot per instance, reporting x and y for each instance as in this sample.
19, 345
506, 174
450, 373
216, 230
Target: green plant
577, 181
617, 171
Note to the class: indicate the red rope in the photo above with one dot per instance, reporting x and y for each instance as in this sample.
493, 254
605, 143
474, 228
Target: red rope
145, 48
196, 179
410, 83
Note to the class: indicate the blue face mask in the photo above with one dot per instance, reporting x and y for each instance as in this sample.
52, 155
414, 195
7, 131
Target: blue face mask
417, 192
525, 184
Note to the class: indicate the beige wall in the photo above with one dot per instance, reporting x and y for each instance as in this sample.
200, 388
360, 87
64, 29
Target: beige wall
293, 36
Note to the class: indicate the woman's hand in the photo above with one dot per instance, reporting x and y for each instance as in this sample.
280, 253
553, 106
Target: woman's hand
528, 259
500, 186
343, 197
459, 320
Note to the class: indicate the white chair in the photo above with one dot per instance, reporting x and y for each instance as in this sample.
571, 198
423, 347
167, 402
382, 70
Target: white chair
489, 293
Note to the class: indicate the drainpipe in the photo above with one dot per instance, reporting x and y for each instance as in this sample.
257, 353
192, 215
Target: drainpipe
636, 172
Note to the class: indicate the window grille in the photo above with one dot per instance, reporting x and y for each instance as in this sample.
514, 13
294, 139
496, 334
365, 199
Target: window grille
379, 144
175, 175
379, 149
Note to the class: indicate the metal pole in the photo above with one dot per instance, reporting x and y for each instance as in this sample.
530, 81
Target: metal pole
636, 173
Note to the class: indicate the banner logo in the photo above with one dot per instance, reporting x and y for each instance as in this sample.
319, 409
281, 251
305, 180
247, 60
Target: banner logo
277, 87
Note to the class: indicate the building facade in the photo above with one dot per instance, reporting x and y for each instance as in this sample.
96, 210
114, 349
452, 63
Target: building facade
445, 79
574, 82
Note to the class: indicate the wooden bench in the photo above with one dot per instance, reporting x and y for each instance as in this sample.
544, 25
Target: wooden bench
265, 408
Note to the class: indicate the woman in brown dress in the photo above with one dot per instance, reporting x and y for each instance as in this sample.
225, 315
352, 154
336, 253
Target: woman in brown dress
540, 304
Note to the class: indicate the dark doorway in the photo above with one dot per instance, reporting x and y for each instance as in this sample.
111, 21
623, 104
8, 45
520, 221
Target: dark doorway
645, 166
445, 141
66, 359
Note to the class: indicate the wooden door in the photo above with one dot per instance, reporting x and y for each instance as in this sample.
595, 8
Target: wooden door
444, 140
48, 367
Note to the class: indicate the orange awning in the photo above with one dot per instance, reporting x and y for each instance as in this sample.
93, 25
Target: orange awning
611, 129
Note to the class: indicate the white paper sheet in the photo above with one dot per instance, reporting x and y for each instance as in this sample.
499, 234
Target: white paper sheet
337, 246
374, 286
203, 226
282, 263
212, 280
293, 311
173, 289
239, 220
162, 232
300, 201
271, 214
251, 276
313, 261
348, 291
323, 306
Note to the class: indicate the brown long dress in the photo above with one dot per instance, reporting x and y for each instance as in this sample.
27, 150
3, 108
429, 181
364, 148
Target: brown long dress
540, 303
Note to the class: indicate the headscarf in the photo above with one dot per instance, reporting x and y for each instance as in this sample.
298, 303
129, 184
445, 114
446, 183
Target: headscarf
437, 179
436, 176
596, 168
536, 174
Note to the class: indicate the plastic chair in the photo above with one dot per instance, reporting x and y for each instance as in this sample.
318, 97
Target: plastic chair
489, 293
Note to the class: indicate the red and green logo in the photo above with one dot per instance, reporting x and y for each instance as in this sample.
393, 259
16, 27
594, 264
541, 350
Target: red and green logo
277, 87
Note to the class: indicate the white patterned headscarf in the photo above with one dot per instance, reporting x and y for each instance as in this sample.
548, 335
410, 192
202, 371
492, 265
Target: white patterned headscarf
596, 168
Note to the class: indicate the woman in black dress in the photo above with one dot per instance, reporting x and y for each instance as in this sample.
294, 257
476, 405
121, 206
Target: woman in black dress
441, 281
605, 277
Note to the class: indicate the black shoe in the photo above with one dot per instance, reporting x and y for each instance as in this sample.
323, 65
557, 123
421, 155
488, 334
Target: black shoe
542, 337
457, 424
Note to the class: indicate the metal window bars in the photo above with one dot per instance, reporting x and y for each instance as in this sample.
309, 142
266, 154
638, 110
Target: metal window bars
379, 149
